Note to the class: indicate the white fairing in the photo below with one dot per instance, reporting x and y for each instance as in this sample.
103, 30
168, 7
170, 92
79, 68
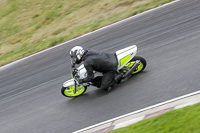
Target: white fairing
83, 72
129, 51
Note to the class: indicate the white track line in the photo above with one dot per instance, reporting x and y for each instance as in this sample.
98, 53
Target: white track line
103, 28
138, 111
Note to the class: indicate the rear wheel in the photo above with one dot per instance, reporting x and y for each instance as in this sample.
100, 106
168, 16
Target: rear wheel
69, 91
140, 68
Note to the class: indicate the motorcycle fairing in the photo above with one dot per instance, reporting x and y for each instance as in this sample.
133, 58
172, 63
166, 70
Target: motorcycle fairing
125, 55
83, 72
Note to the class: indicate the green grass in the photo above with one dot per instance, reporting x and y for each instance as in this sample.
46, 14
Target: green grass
185, 120
29, 26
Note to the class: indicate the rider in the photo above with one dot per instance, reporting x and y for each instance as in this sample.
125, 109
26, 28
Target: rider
98, 61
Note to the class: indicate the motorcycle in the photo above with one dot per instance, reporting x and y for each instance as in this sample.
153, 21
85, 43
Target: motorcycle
128, 64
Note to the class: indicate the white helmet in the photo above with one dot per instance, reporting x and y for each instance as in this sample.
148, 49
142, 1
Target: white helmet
76, 54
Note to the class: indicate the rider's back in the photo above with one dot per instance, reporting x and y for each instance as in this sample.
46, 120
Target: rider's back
100, 61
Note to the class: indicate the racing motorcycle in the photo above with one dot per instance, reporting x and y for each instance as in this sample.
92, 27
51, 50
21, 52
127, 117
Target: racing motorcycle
128, 64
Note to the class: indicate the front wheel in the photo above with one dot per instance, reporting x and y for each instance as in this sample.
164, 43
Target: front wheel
140, 68
69, 91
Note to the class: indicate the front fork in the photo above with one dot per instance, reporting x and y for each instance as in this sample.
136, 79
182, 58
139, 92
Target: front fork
75, 86
73, 73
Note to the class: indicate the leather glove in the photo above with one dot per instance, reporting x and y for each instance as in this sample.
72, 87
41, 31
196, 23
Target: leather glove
80, 81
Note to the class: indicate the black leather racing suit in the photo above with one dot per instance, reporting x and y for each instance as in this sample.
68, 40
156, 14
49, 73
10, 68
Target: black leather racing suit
101, 62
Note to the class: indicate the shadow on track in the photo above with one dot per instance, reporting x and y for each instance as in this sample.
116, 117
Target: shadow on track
96, 93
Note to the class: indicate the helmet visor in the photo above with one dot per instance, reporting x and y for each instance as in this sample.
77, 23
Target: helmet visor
73, 56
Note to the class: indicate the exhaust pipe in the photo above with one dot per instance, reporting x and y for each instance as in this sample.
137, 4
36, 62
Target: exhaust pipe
134, 67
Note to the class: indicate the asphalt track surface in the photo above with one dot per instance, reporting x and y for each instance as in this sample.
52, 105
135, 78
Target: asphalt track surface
169, 39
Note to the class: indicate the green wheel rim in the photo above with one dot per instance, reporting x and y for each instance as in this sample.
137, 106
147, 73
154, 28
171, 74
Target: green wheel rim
130, 64
69, 91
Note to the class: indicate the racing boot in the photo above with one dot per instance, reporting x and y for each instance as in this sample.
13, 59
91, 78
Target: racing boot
111, 85
118, 78
109, 89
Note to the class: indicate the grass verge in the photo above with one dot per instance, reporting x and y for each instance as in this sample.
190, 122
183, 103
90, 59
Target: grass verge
29, 26
185, 120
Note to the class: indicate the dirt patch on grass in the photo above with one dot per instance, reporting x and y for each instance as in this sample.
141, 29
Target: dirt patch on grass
126, 3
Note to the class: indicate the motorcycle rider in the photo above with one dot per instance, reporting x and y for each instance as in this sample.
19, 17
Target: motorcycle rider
98, 61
